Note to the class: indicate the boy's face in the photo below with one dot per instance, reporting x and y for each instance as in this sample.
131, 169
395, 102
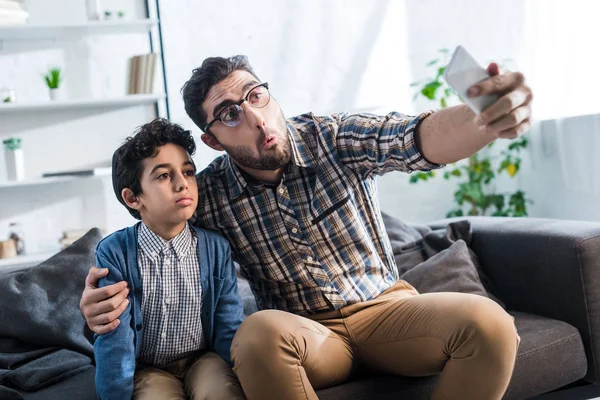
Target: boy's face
169, 190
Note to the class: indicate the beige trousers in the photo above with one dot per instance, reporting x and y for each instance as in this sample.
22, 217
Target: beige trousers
202, 377
469, 339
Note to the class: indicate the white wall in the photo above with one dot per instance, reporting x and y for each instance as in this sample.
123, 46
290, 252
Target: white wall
332, 56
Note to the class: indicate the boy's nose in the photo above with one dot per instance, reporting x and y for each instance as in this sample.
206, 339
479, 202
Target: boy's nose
181, 183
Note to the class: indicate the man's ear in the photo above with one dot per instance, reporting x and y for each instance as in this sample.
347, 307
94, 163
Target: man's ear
131, 200
211, 142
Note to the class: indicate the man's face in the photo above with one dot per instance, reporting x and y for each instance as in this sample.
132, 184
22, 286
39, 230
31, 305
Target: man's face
260, 141
169, 189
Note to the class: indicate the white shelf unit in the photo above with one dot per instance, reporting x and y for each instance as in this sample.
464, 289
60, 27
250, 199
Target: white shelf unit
49, 180
82, 104
28, 260
53, 31
13, 38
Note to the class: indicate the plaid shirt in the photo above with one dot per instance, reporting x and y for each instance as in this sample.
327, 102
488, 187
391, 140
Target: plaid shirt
172, 296
316, 241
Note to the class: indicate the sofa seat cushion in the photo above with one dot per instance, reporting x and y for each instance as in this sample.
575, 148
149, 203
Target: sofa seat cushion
550, 356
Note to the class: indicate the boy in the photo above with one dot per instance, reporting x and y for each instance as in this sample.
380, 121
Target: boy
173, 340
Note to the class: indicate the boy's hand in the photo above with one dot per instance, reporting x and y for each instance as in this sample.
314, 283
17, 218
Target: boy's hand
510, 116
101, 307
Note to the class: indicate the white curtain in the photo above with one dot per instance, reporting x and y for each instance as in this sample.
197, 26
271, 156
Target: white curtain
561, 55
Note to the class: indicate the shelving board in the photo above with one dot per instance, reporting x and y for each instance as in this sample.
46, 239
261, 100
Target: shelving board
54, 31
81, 104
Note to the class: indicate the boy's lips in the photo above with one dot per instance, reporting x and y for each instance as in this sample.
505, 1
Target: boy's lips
185, 201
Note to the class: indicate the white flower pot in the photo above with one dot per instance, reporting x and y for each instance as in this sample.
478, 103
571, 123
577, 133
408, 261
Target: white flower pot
56, 94
93, 10
15, 164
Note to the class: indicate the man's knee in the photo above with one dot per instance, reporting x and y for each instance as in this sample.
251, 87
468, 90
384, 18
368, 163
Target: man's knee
490, 323
260, 335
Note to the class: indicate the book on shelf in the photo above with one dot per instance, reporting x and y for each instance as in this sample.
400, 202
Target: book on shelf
141, 73
81, 172
12, 13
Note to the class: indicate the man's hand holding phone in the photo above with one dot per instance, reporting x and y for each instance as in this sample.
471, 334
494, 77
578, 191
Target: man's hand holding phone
502, 101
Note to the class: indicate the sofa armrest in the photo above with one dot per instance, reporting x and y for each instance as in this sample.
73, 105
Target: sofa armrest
546, 267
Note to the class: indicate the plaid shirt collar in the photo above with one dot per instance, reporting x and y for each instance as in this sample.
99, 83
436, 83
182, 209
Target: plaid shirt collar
152, 244
300, 157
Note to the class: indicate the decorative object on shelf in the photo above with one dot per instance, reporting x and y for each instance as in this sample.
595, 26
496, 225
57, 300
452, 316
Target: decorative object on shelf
141, 73
53, 80
16, 234
93, 10
476, 193
8, 249
12, 13
7, 95
121, 14
15, 161
108, 15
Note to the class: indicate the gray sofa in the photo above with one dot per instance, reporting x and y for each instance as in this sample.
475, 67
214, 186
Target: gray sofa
546, 272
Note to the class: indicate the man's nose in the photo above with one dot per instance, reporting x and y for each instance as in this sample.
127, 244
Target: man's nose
254, 115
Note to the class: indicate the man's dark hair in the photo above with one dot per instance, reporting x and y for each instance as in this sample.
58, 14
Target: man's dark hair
127, 161
212, 71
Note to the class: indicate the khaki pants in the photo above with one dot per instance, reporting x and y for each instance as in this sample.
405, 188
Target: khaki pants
469, 339
206, 376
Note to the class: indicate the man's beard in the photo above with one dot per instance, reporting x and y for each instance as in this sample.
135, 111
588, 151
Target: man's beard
275, 158
269, 159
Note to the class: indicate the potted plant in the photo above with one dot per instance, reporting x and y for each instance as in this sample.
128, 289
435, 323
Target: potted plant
15, 161
476, 192
53, 80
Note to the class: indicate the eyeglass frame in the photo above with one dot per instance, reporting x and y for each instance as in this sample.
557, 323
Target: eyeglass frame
239, 105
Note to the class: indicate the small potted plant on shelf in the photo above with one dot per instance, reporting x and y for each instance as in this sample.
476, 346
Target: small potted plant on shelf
15, 161
53, 80
7, 95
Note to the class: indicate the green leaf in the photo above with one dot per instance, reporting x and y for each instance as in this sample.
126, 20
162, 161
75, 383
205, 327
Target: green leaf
430, 63
12, 144
415, 84
430, 89
455, 213
440, 72
443, 103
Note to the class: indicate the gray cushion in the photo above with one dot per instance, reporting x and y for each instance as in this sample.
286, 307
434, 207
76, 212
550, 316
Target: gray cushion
45, 298
414, 244
43, 336
553, 344
450, 270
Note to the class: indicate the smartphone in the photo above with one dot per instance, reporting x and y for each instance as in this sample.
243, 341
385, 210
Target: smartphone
461, 73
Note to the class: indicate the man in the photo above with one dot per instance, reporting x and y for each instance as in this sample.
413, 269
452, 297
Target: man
296, 199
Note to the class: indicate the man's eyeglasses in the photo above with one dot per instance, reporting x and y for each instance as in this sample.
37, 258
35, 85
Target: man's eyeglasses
232, 115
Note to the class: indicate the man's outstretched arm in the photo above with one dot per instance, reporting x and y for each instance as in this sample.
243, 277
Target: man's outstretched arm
454, 133
101, 307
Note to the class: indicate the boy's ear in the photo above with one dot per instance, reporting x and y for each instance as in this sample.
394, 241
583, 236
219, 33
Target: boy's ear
131, 200
211, 142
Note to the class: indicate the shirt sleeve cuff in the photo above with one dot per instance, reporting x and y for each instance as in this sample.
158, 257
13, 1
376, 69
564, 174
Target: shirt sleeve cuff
416, 159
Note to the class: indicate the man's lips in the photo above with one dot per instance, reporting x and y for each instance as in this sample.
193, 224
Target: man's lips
185, 201
269, 141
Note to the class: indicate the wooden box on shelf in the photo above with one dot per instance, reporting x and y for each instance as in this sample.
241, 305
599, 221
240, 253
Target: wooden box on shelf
8, 249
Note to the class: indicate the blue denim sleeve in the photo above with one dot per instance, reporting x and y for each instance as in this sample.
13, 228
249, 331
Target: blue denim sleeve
115, 351
229, 308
